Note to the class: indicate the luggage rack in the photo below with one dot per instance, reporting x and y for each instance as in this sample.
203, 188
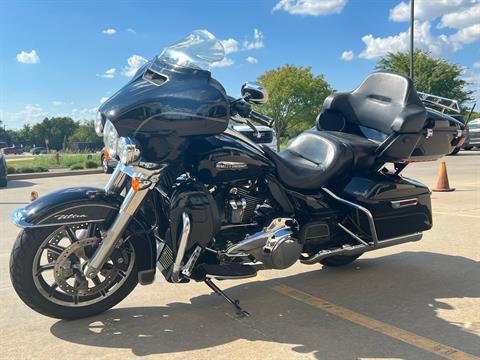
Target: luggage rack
441, 102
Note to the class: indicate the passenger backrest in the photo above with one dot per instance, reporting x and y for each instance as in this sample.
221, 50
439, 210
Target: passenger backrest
385, 102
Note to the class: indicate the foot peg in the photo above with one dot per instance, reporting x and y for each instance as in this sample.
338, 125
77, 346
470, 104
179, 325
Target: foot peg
229, 271
234, 303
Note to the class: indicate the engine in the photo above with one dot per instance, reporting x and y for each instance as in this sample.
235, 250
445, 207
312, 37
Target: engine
275, 246
244, 211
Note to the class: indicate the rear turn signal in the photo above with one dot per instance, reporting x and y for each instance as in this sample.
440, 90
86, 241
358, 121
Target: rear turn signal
106, 154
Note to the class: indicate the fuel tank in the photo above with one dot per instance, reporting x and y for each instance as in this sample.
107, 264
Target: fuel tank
228, 157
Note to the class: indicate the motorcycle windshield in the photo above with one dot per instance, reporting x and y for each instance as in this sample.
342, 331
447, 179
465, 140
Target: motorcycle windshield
199, 50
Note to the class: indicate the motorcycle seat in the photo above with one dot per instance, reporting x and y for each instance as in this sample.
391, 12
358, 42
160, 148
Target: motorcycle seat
314, 158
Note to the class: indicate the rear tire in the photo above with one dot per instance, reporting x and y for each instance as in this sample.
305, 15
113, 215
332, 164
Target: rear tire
339, 260
22, 261
468, 148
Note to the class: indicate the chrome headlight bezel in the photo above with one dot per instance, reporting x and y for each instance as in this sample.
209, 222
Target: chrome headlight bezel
99, 124
127, 150
110, 139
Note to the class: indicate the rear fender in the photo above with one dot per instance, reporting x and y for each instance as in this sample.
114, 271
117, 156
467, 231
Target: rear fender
81, 205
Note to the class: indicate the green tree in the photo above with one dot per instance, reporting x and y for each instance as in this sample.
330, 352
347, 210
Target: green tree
55, 130
431, 75
86, 133
295, 98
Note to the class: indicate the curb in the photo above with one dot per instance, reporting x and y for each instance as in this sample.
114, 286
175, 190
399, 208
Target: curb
53, 174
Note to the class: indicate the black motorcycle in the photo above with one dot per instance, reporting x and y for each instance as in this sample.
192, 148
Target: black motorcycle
200, 201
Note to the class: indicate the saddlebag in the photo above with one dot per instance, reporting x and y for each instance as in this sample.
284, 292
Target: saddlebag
399, 206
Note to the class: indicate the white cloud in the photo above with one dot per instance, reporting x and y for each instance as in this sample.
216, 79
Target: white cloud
463, 18
230, 45
58, 103
224, 63
426, 9
31, 113
109, 31
476, 65
28, 57
256, 43
108, 74
424, 39
251, 60
311, 7
466, 35
84, 114
103, 99
347, 55
130, 30
134, 63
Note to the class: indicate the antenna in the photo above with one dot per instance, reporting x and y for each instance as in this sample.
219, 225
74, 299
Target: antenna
412, 25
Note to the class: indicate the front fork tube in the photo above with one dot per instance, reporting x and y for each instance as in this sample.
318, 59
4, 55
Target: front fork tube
132, 202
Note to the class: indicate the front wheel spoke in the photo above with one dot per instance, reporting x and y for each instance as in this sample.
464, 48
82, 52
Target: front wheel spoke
75, 299
53, 287
45, 267
57, 249
70, 234
91, 229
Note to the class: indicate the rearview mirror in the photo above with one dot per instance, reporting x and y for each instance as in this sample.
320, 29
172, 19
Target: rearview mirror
254, 93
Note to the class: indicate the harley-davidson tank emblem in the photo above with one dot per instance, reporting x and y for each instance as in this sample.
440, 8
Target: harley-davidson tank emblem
231, 165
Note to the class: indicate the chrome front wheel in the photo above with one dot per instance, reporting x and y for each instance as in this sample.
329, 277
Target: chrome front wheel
47, 271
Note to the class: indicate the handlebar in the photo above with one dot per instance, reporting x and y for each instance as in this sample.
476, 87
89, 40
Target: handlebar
260, 118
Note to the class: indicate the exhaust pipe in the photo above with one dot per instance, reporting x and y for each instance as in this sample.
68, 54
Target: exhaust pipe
358, 249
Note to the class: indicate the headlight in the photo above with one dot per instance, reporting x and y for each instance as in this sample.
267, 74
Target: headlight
110, 139
99, 124
127, 150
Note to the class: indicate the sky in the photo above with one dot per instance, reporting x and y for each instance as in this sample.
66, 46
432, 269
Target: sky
66, 57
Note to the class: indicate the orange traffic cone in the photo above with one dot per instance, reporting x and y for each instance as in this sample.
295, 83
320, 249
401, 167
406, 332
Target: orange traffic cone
442, 179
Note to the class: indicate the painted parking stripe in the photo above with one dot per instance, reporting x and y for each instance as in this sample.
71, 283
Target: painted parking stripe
456, 214
407, 337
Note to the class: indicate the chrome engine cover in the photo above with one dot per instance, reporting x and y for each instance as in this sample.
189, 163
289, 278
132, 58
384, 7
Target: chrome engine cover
275, 246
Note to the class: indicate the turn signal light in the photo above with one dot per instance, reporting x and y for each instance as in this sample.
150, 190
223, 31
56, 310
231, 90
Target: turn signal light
106, 154
135, 184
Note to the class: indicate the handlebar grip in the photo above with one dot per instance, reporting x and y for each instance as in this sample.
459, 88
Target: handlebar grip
263, 119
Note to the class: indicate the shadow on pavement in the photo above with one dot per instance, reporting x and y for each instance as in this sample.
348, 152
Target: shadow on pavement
405, 290
18, 184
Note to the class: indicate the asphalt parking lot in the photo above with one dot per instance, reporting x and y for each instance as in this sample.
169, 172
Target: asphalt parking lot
413, 301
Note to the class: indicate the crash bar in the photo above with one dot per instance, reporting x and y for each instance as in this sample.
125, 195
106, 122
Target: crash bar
369, 215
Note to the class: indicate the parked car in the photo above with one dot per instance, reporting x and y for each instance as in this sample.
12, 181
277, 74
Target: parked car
39, 150
473, 135
3, 171
263, 134
10, 151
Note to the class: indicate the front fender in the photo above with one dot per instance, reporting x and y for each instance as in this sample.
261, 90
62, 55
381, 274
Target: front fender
81, 205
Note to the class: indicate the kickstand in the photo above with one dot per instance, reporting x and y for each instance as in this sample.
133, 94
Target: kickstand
234, 303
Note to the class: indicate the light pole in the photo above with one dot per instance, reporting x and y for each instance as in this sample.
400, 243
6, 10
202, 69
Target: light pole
412, 22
